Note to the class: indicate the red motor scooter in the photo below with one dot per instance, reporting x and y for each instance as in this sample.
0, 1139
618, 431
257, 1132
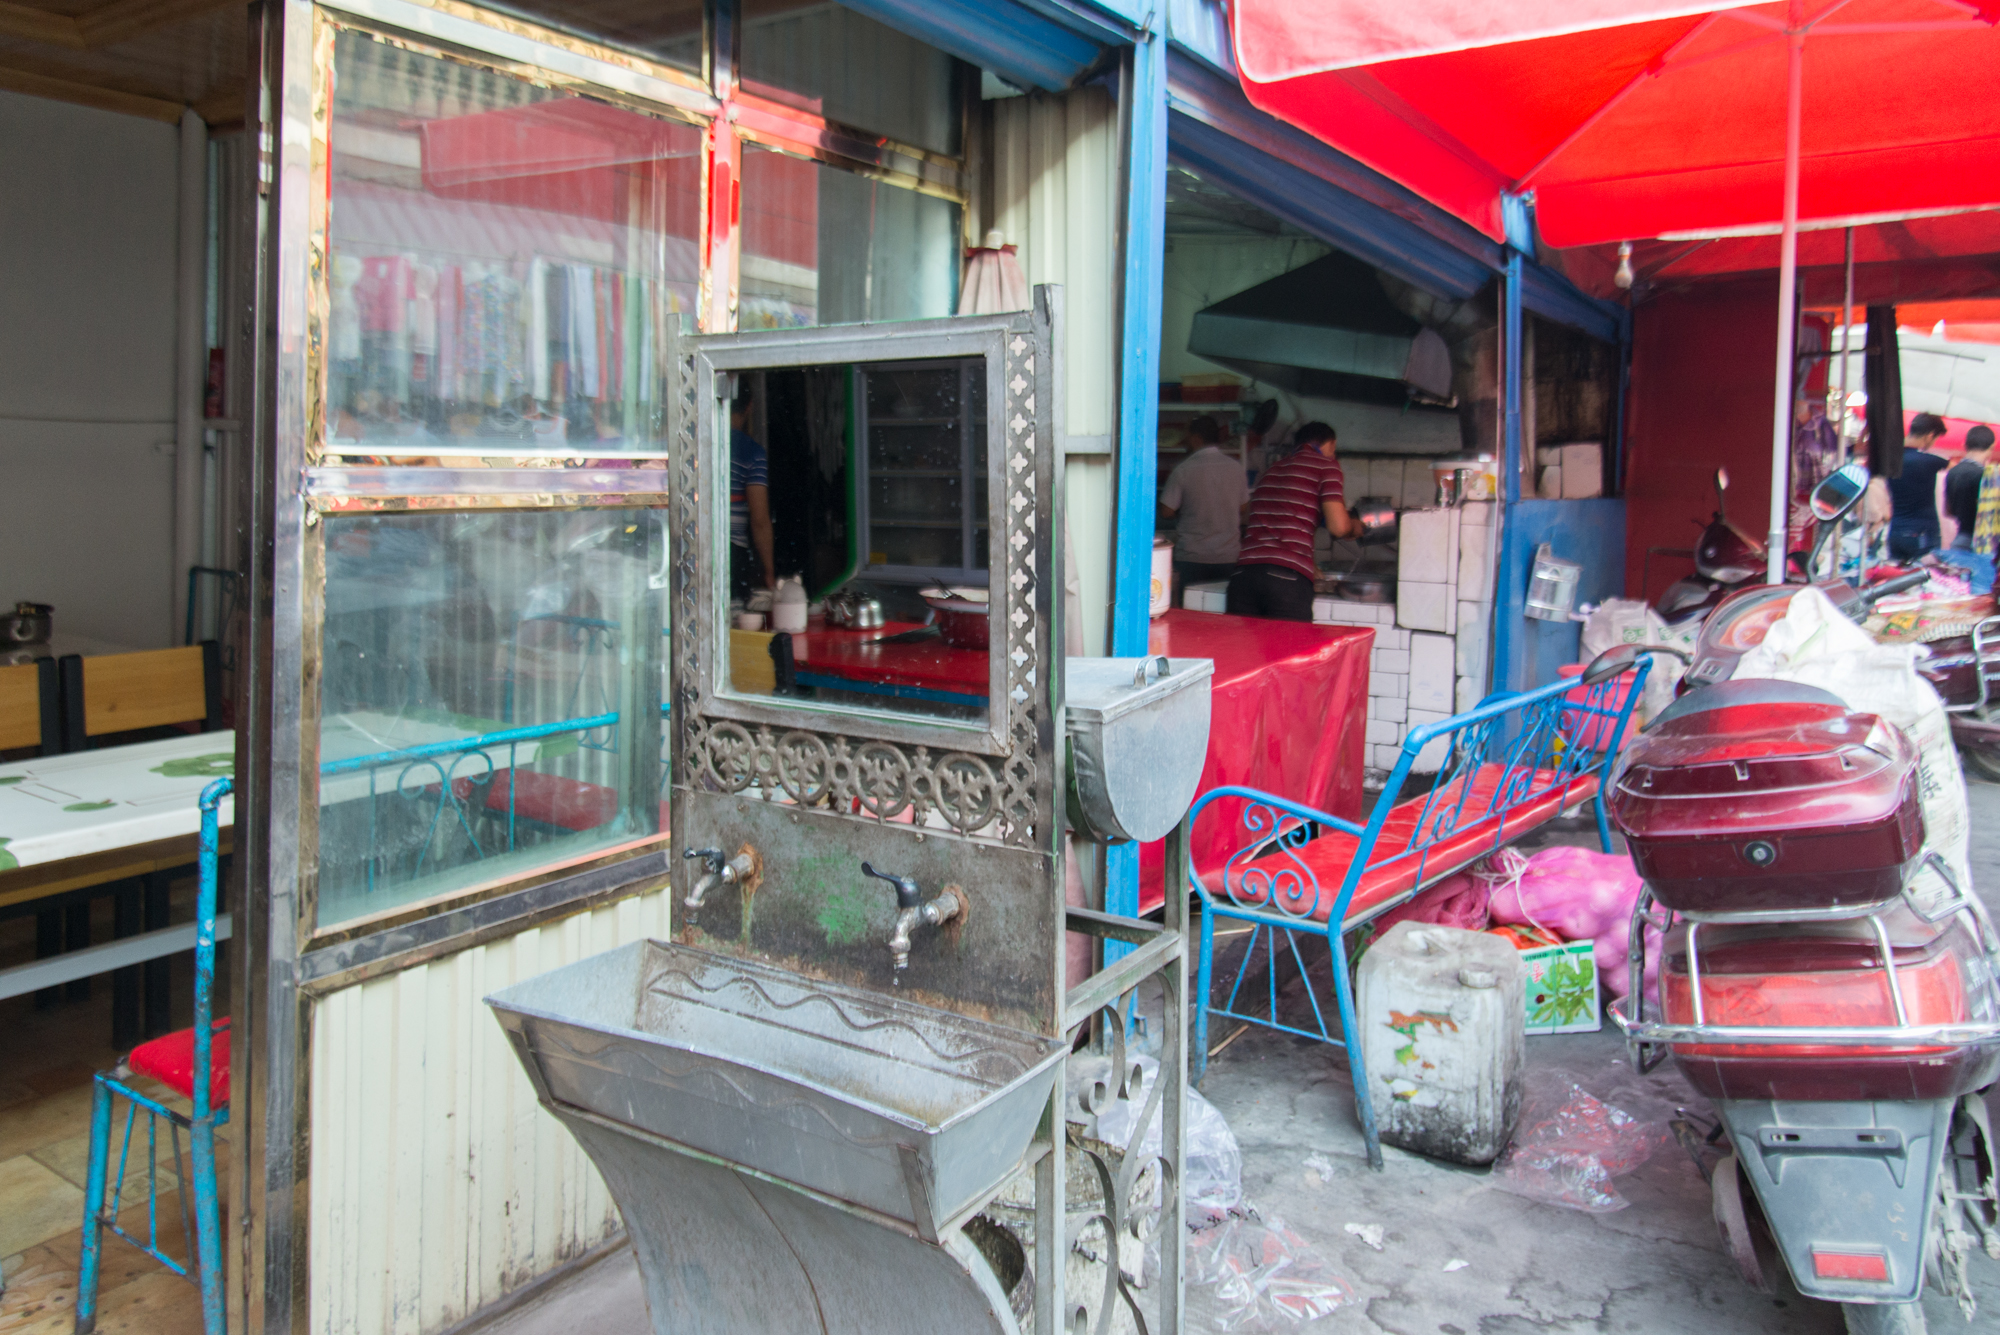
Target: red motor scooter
1842, 1021
1725, 559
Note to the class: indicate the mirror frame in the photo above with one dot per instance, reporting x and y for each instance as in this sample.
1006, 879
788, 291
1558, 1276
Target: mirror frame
701, 574
1853, 501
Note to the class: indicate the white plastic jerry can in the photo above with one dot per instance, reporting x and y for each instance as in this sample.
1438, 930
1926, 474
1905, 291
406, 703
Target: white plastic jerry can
1443, 1028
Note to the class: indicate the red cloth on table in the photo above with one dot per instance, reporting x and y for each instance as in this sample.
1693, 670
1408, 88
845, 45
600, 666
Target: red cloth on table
857, 656
1389, 876
1289, 716
169, 1059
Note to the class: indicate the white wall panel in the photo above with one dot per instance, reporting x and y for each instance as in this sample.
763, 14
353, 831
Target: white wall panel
1055, 180
438, 1185
87, 218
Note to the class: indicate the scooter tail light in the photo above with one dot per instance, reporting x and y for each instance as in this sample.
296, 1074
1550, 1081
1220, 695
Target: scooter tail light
1869, 1266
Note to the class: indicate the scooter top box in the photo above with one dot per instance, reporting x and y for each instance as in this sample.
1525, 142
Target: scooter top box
1759, 795
1830, 974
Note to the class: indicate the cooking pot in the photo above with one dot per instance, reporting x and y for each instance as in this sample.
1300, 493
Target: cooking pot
961, 615
1377, 517
1365, 588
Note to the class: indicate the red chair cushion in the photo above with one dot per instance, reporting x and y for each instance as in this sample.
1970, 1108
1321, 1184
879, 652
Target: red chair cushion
169, 1059
1393, 871
554, 800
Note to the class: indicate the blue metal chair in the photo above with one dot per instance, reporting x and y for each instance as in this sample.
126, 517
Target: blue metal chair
195, 1063
1509, 764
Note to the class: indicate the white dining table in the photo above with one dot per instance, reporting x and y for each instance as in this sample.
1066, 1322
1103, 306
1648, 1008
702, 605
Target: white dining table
85, 808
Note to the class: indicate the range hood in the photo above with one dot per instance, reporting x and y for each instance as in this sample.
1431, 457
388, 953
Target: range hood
1325, 329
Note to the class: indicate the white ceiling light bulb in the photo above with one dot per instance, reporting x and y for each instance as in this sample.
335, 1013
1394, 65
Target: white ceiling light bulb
1624, 277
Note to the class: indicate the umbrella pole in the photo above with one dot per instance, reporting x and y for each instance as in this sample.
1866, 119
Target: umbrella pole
1846, 337
1788, 270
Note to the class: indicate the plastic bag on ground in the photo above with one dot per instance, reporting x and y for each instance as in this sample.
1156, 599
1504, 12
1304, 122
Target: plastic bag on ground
1569, 1145
1266, 1277
1628, 621
1580, 895
1456, 901
1815, 645
1214, 1162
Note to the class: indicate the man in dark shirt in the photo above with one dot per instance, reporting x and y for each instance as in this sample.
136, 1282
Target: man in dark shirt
1961, 485
1275, 570
1913, 523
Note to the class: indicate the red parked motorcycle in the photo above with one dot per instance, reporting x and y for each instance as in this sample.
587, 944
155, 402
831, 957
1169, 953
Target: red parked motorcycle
1725, 559
1842, 1021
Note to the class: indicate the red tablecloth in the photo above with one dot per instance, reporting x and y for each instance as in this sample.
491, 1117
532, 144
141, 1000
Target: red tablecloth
930, 664
1290, 716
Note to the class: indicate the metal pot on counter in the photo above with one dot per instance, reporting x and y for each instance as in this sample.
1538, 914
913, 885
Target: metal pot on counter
1377, 517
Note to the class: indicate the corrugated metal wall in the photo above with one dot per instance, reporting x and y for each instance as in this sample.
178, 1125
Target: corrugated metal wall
1055, 185
438, 1184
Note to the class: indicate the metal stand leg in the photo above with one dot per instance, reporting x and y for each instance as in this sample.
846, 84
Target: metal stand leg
126, 916
93, 1207
48, 944
1051, 1218
76, 936
1350, 1032
159, 973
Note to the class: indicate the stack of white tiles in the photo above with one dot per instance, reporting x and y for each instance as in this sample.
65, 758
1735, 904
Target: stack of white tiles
1430, 648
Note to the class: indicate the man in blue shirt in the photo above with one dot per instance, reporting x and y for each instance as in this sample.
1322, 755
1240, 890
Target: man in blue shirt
750, 551
1913, 524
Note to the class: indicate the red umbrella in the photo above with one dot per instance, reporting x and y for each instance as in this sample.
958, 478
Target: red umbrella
1639, 119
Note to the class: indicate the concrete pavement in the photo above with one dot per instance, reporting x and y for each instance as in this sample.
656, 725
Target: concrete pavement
1656, 1267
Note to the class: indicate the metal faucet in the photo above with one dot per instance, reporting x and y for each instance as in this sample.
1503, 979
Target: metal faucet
740, 868
912, 908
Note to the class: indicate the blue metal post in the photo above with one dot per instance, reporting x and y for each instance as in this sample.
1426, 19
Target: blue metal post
1144, 273
93, 1208
208, 1206
1513, 576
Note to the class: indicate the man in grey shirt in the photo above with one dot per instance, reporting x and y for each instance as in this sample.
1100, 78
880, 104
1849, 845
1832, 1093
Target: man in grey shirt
1207, 492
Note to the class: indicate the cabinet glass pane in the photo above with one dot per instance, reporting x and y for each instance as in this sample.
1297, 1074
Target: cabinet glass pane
824, 246
490, 698
502, 260
847, 67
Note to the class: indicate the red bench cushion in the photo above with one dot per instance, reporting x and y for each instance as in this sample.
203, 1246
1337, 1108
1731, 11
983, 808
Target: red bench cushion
553, 800
1393, 872
169, 1059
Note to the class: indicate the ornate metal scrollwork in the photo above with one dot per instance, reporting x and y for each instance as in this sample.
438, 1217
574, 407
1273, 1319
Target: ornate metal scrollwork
1133, 1186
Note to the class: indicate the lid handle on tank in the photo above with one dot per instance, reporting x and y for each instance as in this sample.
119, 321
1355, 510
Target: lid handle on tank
1146, 663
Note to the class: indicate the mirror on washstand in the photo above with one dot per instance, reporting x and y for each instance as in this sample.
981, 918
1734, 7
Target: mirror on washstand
874, 518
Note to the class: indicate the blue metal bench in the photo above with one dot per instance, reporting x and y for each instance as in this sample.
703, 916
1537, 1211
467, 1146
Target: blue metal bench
1509, 765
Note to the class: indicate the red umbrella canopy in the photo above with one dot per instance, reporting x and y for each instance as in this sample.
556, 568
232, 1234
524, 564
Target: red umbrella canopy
1642, 118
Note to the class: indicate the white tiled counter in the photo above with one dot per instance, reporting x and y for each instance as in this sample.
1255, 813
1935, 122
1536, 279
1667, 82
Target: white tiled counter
1430, 657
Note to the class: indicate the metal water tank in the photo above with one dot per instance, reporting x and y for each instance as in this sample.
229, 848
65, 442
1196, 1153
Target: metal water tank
1138, 740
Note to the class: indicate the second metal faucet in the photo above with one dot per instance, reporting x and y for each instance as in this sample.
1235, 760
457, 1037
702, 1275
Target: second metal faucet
912, 908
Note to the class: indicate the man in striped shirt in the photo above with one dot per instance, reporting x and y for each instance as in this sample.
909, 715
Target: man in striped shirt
1275, 572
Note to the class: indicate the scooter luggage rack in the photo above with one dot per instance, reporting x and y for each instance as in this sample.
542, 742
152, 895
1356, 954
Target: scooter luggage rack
1647, 1041
1982, 631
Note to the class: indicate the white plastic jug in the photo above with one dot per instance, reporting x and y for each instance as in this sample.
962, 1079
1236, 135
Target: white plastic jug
788, 604
1443, 1030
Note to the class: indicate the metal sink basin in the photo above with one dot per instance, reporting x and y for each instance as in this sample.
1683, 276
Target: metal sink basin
911, 1112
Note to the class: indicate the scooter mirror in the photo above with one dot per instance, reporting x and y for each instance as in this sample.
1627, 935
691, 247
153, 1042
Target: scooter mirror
1611, 662
1840, 492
